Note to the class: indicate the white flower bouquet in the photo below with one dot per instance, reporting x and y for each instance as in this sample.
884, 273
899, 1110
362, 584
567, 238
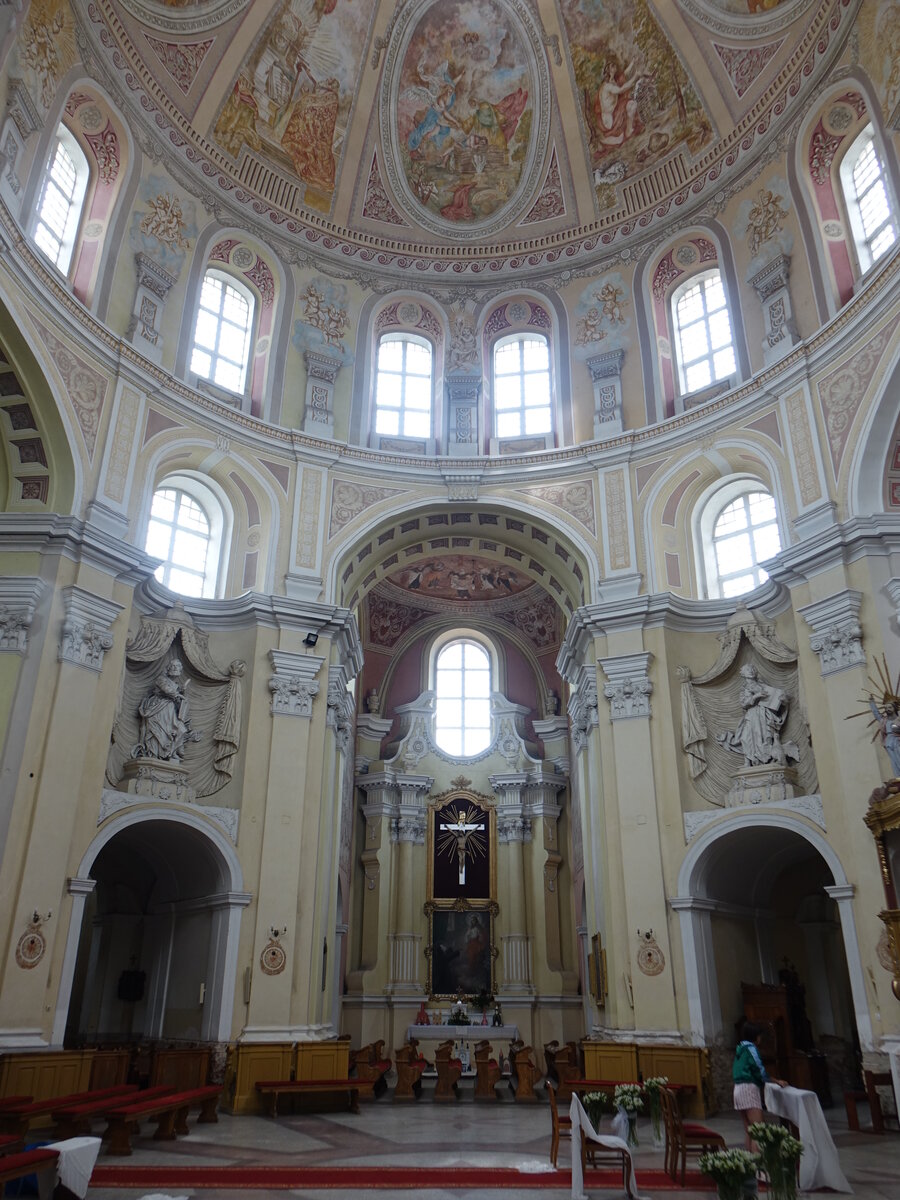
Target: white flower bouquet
593, 1104
779, 1153
629, 1096
652, 1088
729, 1169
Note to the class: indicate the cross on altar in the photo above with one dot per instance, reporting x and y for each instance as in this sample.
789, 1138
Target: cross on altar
461, 830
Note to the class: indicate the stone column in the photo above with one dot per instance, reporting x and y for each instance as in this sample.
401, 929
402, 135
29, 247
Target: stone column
407, 832
318, 412
606, 376
628, 690
514, 829
771, 285
152, 286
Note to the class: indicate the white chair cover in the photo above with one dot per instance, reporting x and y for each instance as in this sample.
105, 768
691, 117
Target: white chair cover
581, 1127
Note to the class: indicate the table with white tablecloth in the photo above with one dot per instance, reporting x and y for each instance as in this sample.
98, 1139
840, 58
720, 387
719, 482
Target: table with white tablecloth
819, 1166
74, 1166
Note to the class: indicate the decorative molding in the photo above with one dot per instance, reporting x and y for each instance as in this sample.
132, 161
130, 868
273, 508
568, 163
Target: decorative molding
772, 285
152, 286
629, 687
321, 373
113, 801
341, 709
294, 685
409, 827
18, 598
836, 632
807, 806
606, 377
584, 714
86, 628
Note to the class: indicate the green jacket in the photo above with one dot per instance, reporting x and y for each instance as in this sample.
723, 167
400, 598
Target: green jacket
746, 1068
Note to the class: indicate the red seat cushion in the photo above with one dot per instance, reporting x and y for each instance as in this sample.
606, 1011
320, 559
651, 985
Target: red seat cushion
700, 1130
492, 1062
456, 1062
383, 1064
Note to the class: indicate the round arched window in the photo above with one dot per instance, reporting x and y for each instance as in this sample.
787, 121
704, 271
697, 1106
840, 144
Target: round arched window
462, 685
745, 534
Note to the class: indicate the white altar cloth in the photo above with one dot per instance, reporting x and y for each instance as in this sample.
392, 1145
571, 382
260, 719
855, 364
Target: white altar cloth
73, 1169
462, 1033
819, 1165
582, 1127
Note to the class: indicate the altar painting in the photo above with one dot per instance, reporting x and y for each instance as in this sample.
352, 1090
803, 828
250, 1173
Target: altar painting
637, 100
292, 97
464, 110
460, 953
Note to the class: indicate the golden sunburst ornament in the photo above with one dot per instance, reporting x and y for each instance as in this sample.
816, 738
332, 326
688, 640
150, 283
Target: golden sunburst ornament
462, 835
883, 710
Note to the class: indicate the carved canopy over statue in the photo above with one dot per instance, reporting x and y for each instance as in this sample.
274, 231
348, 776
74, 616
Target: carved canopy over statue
170, 716
748, 698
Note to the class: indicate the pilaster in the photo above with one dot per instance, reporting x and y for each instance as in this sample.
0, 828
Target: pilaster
606, 377
772, 286
86, 635
321, 373
836, 632
463, 394
152, 286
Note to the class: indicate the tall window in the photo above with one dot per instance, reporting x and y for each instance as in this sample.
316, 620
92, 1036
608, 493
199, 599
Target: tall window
61, 201
703, 332
179, 534
403, 390
463, 685
744, 534
865, 190
522, 387
221, 348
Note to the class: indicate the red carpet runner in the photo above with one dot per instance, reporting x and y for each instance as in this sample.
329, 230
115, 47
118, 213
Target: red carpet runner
372, 1178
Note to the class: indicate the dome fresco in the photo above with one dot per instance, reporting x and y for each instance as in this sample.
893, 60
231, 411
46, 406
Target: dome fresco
354, 129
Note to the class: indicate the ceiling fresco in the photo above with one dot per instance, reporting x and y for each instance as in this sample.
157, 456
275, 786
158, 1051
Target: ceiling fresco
417, 134
460, 577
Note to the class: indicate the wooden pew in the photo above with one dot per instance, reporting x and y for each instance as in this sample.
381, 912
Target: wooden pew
410, 1065
369, 1063
74, 1120
16, 1118
271, 1089
567, 1071
169, 1111
449, 1070
29, 1162
523, 1073
487, 1072
10, 1144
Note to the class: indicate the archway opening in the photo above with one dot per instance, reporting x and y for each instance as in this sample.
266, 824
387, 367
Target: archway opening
769, 937
153, 945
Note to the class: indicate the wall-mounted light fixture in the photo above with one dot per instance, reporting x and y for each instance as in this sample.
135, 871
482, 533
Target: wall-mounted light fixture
310, 639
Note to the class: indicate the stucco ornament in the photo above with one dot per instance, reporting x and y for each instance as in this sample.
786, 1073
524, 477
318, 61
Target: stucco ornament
32, 945
748, 700
178, 707
650, 958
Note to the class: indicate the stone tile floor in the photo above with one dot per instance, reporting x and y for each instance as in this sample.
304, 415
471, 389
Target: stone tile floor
427, 1134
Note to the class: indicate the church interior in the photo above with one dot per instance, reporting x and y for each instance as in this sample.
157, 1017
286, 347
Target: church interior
449, 557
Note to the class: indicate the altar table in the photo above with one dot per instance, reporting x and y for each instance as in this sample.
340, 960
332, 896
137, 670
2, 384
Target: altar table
463, 1033
819, 1166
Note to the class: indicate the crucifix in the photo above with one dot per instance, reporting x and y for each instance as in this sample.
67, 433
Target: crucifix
460, 832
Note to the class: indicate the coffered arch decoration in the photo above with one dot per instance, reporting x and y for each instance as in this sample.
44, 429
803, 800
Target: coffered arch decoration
464, 114
519, 543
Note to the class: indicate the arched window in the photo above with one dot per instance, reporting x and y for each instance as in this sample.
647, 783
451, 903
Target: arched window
738, 530
462, 725
221, 346
185, 530
704, 341
61, 200
403, 387
522, 404
866, 194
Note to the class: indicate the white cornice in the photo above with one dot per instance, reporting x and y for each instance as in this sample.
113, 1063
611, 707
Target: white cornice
77, 540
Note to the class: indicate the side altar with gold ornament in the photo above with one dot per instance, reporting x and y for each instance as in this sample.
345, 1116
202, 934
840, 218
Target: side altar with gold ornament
883, 821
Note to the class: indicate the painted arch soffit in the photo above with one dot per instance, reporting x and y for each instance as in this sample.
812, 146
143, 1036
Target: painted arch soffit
464, 114
183, 16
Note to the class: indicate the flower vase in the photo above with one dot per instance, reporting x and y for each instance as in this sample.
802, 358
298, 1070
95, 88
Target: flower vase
656, 1128
632, 1138
729, 1189
782, 1179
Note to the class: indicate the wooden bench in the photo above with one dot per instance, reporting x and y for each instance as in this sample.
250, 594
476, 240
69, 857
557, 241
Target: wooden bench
410, 1065
487, 1072
449, 1070
9, 1144
74, 1120
369, 1063
17, 1118
29, 1162
169, 1111
14, 1102
523, 1073
271, 1089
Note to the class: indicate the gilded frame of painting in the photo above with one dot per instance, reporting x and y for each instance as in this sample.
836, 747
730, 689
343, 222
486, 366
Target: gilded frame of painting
460, 798
461, 953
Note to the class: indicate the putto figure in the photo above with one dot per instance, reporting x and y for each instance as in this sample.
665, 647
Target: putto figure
165, 717
758, 735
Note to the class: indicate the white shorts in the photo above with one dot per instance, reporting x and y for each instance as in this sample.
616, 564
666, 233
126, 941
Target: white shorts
747, 1095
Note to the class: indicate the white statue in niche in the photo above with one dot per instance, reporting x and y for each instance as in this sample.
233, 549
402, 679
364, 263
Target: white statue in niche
758, 735
165, 717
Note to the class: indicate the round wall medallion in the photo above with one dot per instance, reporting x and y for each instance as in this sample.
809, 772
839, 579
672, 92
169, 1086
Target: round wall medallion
30, 948
242, 257
91, 118
686, 255
650, 959
883, 951
839, 118
273, 959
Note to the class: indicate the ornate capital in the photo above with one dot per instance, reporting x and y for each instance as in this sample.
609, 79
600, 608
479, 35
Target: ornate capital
322, 366
583, 706
513, 827
772, 286
836, 632
294, 685
339, 716
409, 828
152, 276
86, 628
629, 687
18, 597
605, 366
